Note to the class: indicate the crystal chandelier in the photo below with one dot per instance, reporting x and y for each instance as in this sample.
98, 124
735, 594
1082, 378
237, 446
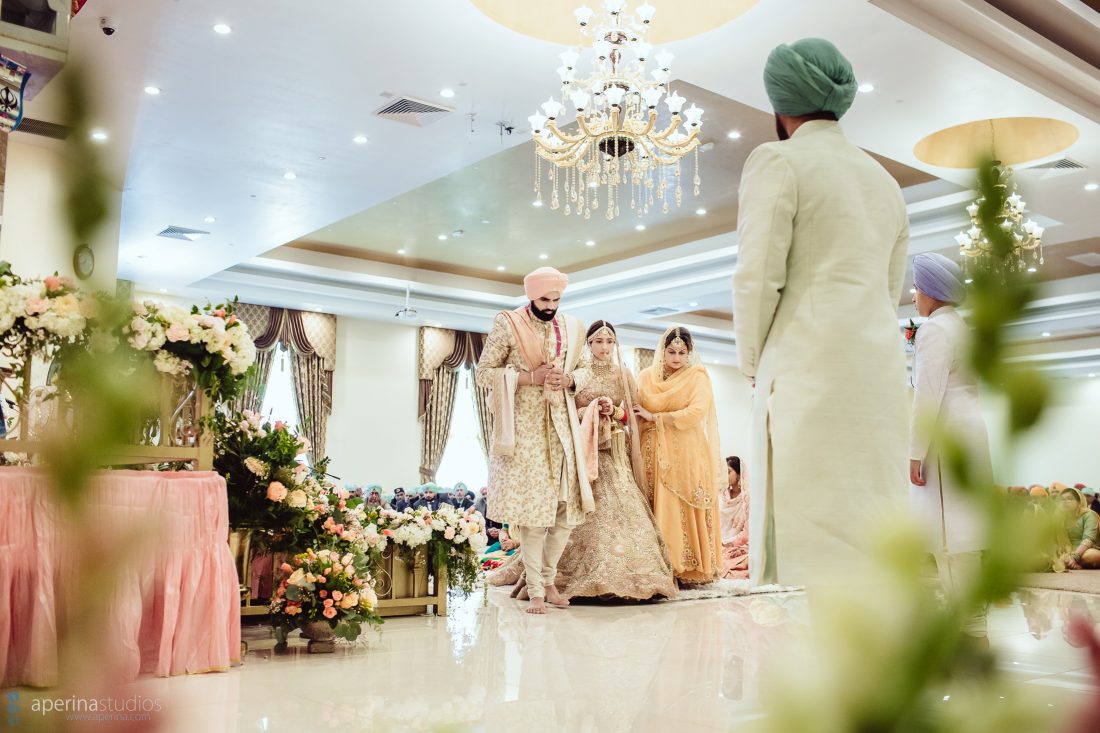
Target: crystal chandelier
1027, 236
617, 142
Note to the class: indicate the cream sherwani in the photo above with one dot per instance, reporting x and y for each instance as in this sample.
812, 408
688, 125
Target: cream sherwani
823, 234
541, 484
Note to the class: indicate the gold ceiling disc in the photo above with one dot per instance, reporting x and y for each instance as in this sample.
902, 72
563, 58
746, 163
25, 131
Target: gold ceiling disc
552, 20
1011, 140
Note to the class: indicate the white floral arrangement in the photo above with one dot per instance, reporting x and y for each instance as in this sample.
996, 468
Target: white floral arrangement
38, 314
210, 342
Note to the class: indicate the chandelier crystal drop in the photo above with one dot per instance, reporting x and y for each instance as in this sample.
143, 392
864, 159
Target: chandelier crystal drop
1027, 236
617, 142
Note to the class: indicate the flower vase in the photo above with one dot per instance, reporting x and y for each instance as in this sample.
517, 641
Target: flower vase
322, 640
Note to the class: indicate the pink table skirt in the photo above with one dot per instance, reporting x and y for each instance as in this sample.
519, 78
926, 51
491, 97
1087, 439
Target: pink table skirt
174, 607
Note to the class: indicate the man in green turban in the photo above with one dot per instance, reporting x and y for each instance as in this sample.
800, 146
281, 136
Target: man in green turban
823, 233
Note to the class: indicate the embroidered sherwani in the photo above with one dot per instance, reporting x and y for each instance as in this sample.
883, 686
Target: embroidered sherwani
525, 488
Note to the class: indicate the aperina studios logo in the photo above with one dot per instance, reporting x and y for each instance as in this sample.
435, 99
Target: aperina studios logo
19, 706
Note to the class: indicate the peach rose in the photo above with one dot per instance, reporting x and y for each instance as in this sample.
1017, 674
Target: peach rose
276, 491
337, 595
285, 567
220, 312
330, 613
53, 283
351, 600
324, 594
177, 332
328, 603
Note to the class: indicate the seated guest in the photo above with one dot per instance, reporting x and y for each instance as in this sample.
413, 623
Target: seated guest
374, 498
399, 503
1090, 496
431, 499
1079, 546
733, 506
481, 506
459, 498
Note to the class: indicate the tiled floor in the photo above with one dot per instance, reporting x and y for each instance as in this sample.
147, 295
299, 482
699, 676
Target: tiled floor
689, 666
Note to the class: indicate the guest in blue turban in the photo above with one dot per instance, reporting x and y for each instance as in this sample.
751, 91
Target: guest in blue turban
938, 278
808, 80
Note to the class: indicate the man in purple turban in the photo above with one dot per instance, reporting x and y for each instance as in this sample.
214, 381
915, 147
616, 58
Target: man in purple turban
938, 278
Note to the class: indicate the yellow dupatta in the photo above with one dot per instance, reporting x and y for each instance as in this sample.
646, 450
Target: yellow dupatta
687, 455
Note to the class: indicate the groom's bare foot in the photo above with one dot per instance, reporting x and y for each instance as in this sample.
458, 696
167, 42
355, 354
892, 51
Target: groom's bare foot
554, 598
537, 606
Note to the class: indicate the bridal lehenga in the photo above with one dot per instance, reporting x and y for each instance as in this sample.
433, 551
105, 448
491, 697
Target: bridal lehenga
617, 552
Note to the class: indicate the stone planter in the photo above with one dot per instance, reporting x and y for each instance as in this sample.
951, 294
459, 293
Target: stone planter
322, 640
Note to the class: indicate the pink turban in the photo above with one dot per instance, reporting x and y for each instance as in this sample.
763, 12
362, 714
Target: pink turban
544, 280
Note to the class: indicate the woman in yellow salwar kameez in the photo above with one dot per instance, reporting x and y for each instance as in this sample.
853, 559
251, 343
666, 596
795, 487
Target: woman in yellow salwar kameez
682, 456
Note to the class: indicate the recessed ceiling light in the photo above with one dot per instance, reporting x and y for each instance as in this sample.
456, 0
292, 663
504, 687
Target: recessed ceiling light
544, 256
866, 88
1092, 375
639, 227
359, 139
222, 29
701, 211
438, 325
969, 280
446, 92
165, 290
290, 175
694, 304
1046, 334
210, 220
152, 91
99, 135
400, 251
1092, 186
485, 221
500, 268
1031, 269
590, 243
537, 204
442, 237
733, 135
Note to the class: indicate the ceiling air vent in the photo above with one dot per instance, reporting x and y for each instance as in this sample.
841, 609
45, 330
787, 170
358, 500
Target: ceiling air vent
659, 311
188, 235
415, 112
44, 129
1089, 259
1054, 168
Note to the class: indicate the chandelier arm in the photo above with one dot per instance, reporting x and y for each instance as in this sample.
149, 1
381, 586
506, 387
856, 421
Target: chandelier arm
650, 123
673, 123
584, 127
553, 127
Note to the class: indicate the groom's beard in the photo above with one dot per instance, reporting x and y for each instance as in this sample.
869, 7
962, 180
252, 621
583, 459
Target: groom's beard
543, 315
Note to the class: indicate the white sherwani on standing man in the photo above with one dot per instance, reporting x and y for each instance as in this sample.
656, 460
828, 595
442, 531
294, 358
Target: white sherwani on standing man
823, 233
536, 484
945, 402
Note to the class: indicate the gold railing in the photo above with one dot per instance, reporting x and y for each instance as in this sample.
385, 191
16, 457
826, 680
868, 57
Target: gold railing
173, 435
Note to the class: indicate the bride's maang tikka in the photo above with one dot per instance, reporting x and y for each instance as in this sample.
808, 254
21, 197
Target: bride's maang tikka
604, 331
678, 342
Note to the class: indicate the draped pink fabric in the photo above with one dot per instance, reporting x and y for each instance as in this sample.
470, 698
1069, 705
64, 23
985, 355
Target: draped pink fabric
174, 608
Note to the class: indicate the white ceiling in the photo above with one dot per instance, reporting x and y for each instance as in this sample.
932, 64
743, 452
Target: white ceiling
295, 81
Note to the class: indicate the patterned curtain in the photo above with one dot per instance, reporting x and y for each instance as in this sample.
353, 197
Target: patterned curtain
311, 338
484, 417
313, 396
441, 353
643, 358
252, 397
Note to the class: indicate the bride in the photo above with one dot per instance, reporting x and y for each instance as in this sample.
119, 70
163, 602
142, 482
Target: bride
617, 552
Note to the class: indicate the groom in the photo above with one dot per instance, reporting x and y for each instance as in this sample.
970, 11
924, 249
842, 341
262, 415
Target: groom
536, 484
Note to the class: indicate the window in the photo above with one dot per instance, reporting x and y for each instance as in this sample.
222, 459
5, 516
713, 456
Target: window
463, 459
279, 401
